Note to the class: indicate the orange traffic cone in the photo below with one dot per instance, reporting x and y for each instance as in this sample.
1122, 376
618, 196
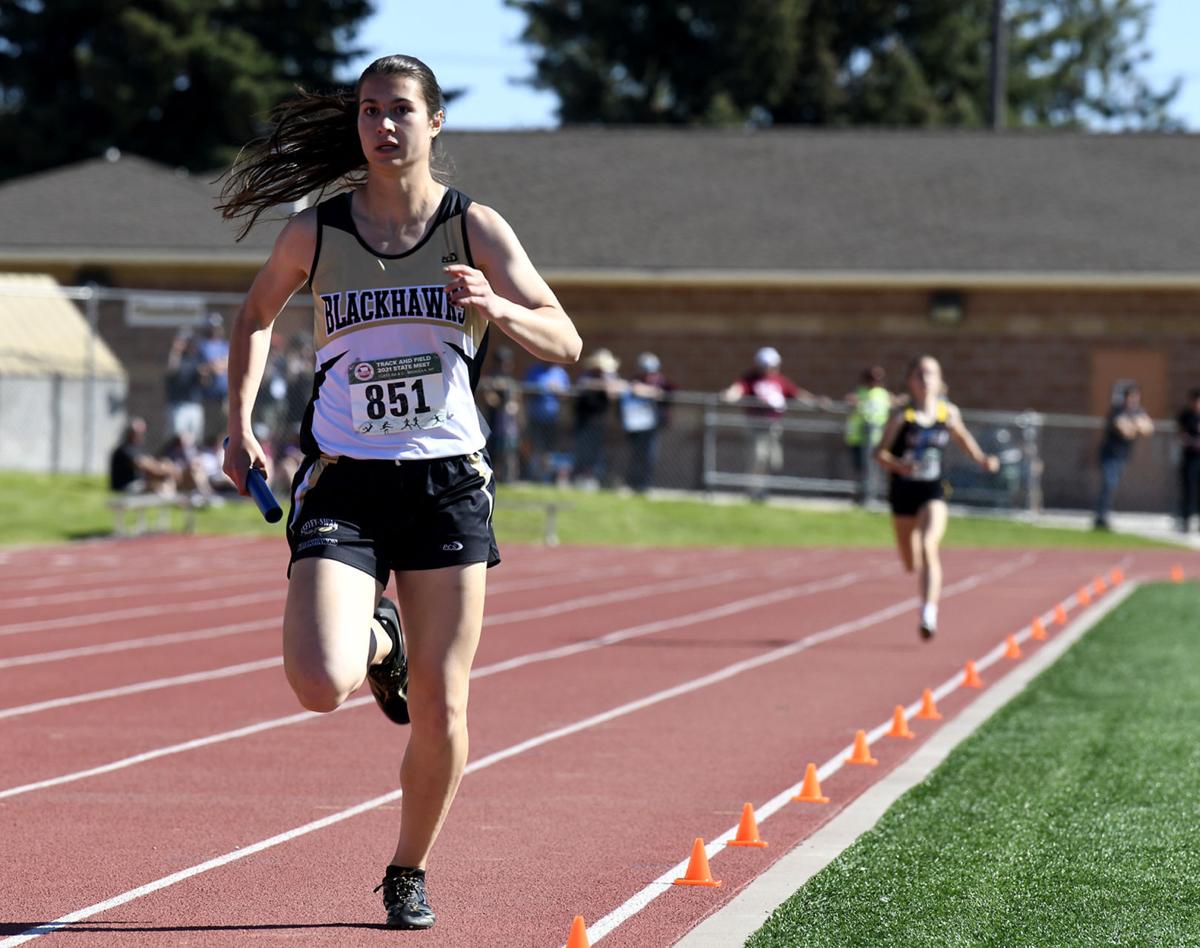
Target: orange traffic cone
929, 711
1116, 576
1037, 631
579, 936
810, 790
1083, 596
1099, 585
1011, 648
971, 677
899, 725
697, 869
747, 833
1177, 574
862, 752
1060, 615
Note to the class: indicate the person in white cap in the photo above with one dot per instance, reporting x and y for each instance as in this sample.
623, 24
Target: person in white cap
765, 392
596, 388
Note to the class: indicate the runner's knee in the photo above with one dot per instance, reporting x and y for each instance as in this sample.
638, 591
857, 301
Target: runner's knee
318, 690
435, 713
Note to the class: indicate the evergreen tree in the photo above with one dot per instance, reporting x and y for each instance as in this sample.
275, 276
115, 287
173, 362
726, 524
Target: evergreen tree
843, 62
184, 82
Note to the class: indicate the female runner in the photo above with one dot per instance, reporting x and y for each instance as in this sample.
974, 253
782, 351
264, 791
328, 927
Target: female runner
911, 449
407, 275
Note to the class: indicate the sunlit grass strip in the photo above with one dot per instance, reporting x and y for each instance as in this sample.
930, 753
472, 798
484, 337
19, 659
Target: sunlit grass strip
39, 508
1070, 818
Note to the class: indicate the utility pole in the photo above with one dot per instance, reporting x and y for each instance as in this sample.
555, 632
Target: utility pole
998, 87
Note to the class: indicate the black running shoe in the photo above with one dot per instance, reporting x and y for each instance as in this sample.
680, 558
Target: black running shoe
927, 631
389, 678
404, 898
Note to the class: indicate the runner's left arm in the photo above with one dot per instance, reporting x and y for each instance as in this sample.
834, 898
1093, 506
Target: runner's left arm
958, 431
507, 290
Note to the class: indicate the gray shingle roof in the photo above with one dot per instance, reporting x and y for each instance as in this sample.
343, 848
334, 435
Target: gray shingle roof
788, 200
130, 205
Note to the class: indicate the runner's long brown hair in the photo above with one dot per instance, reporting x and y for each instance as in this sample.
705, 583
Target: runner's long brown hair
313, 144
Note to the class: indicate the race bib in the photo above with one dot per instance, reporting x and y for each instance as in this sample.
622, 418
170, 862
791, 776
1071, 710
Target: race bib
392, 396
928, 465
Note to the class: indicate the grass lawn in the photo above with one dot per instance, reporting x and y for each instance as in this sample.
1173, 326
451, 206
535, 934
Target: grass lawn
1070, 818
38, 508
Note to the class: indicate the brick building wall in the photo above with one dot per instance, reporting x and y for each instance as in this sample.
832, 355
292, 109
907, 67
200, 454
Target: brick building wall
1051, 351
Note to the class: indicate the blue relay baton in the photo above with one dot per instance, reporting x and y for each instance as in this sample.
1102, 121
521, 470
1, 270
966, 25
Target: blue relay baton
256, 484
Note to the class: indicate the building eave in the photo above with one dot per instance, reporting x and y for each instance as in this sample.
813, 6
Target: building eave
672, 278
878, 279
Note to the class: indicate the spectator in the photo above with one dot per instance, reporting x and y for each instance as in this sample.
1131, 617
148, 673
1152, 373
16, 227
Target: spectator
299, 365
545, 383
643, 406
1126, 422
184, 386
132, 470
272, 408
1189, 460
870, 404
765, 392
214, 351
209, 458
597, 387
190, 473
502, 406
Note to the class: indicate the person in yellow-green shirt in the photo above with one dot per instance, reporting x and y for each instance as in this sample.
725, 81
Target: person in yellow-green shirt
870, 404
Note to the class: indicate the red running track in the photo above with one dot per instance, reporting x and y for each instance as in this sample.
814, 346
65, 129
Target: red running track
160, 786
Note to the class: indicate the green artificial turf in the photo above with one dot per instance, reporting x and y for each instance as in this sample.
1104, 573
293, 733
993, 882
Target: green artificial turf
1071, 818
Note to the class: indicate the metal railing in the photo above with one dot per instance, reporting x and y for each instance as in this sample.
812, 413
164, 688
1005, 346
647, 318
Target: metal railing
702, 444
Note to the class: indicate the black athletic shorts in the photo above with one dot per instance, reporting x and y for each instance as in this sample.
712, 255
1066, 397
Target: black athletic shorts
908, 497
382, 516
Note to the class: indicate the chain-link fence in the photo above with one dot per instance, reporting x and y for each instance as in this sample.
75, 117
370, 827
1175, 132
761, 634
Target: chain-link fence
77, 362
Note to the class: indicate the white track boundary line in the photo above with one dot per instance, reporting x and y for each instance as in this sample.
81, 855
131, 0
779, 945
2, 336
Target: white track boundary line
140, 612
92, 596
194, 678
483, 671
737, 605
695, 684
121, 564
180, 748
750, 908
661, 625
521, 615
149, 641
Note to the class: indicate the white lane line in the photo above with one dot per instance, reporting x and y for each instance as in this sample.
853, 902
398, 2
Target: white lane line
150, 641
490, 760
662, 625
196, 677
520, 615
480, 672
157, 587
88, 619
180, 748
119, 566
627, 593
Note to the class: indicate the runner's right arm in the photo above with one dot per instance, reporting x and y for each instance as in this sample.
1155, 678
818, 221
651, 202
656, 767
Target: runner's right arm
286, 271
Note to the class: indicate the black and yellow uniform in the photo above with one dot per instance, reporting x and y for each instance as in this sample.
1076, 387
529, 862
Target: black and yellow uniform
923, 446
395, 475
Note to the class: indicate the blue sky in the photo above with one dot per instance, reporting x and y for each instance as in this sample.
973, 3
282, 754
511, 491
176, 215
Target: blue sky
478, 51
